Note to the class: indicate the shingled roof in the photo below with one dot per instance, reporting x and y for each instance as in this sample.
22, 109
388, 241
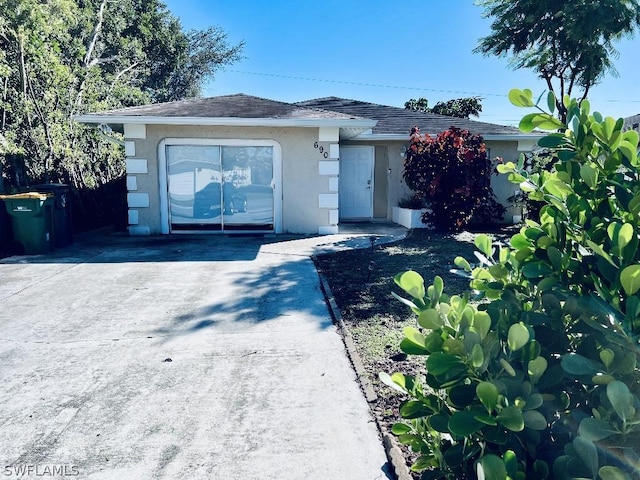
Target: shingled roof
228, 106
398, 121
632, 123
353, 117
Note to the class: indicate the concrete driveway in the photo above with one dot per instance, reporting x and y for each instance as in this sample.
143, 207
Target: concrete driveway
178, 358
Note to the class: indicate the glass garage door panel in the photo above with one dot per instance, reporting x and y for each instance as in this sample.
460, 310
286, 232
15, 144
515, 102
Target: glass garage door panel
247, 189
194, 176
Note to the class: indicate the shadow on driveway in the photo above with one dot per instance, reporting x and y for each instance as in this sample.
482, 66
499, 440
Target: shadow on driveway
179, 358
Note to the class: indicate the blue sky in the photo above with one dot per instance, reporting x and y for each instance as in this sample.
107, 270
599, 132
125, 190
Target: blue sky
380, 51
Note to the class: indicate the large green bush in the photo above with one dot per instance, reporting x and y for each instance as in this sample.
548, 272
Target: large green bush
540, 378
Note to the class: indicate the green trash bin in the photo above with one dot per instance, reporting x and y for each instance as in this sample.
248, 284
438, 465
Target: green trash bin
6, 232
32, 221
62, 221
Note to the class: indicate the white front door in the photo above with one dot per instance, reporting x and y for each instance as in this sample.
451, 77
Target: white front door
356, 182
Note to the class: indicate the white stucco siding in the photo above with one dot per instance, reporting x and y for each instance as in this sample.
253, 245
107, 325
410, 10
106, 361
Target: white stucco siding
501, 186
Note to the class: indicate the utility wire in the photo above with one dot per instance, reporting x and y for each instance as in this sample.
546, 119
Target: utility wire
362, 84
397, 87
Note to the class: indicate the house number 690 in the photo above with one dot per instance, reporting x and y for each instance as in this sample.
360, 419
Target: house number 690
321, 149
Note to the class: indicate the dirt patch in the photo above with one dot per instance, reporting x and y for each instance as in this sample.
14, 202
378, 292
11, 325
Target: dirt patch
361, 282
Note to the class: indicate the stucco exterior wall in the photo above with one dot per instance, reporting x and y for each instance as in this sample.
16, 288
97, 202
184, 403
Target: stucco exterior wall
304, 187
390, 158
502, 187
380, 183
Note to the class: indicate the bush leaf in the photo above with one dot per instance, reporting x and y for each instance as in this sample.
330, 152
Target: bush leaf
439, 363
578, 365
491, 467
430, 319
588, 453
535, 420
594, 430
521, 98
611, 473
483, 243
630, 279
487, 392
512, 419
389, 381
517, 337
620, 398
464, 423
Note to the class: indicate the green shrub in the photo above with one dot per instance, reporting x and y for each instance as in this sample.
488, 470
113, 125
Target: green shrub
534, 162
413, 202
452, 174
540, 379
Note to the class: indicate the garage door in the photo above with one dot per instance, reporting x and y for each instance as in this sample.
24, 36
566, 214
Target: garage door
220, 188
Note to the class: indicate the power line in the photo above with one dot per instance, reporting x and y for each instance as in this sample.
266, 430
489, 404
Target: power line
397, 87
362, 84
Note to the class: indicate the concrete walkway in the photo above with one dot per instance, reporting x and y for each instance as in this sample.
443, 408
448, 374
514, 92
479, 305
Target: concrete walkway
189, 357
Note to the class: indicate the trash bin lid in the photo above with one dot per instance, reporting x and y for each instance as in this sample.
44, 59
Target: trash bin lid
28, 195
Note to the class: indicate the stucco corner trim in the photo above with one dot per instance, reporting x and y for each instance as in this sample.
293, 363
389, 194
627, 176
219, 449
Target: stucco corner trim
138, 200
136, 165
333, 217
133, 217
328, 230
130, 148
140, 231
135, 131
328, 200
132, 183
329, 134
329, 168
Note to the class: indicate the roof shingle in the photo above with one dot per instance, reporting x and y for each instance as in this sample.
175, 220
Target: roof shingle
229, 106
398, 121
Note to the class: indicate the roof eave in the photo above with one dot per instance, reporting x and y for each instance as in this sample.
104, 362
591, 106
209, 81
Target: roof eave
489, 137
515, 137
225, 121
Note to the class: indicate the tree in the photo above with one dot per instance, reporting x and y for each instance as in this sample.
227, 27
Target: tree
61, 58
458, 107
569, 44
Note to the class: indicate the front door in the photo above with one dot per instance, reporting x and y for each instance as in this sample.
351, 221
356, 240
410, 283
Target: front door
356, 182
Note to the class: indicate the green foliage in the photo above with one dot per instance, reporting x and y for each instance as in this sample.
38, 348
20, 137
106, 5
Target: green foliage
589, 225
452, 174
488, 393
533, 162
540, 379
61, 58
457, 107
413, 202
569, 43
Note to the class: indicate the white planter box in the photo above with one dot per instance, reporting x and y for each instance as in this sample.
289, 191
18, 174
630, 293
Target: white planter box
408, 217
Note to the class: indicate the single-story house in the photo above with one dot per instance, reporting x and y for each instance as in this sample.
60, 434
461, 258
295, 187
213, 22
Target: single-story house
238, 163
632, 123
